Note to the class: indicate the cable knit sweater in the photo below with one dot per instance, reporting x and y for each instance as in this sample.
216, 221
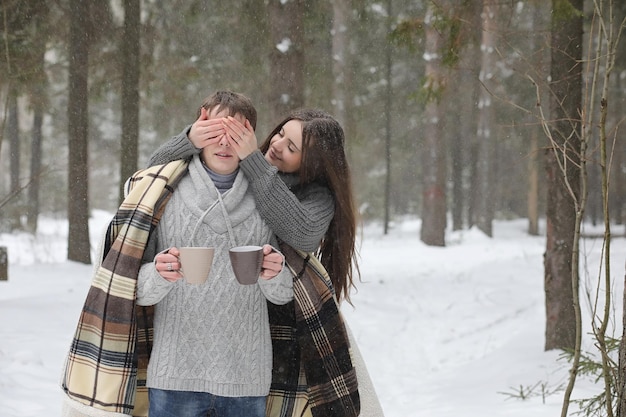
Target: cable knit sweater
299, 215
212, 337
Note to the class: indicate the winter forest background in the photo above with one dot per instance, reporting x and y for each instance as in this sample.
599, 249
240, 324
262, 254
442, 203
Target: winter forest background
457, 112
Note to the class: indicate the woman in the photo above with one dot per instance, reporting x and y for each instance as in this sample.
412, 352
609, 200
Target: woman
300, 179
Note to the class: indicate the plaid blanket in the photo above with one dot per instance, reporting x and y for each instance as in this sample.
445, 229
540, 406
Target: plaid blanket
313, 374
106, 367
107, 362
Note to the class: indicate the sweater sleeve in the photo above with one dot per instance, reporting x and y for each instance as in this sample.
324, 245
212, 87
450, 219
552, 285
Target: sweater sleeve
178, 147
151, 286
278, 290
299, 222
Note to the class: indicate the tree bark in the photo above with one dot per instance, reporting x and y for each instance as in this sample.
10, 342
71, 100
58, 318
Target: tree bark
618, 177
463, 143
485, 139
13, 133
621, 372
78, 173
434, 206
388, 110
533, 184
35, 165
254, 17
563, 184
38, 101
286, 57
539, 66
618, 166
130, 92
341, 13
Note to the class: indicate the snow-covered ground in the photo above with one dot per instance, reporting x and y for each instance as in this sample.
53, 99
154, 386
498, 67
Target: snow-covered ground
445, 332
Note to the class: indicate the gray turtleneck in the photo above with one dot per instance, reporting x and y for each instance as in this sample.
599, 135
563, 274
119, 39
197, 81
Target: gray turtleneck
223, 182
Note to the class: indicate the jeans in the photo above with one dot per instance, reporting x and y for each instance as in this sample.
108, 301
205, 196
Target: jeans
165, 403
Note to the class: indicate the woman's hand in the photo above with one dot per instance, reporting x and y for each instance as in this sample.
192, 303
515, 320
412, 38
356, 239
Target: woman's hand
205, 131
241, 137
167, 264
272, 262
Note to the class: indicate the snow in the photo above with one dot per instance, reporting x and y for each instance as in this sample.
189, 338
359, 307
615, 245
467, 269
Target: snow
449, 331
284, 45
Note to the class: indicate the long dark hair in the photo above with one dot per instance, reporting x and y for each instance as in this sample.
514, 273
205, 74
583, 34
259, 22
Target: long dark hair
324, 162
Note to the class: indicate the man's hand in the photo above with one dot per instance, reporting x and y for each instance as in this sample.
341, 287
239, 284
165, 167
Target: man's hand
272, 262
167, 264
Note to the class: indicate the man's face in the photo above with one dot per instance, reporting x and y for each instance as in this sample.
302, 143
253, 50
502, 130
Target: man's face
219, 156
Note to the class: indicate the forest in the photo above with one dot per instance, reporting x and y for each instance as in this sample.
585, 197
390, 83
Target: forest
457, 112
444, 103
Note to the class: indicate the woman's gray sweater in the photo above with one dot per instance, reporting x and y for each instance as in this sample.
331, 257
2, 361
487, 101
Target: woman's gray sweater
212, 337
298, 215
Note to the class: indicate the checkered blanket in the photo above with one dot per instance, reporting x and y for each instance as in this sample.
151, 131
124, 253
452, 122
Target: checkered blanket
106, 365
105, 371
313, 374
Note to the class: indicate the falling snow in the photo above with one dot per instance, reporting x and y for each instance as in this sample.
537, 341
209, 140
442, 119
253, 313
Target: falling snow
284, 45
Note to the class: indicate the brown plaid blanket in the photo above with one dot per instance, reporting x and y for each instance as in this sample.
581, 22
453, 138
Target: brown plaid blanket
313, 374
107, 362
106, 366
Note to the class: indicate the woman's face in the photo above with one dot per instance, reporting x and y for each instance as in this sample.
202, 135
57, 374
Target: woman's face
285, 150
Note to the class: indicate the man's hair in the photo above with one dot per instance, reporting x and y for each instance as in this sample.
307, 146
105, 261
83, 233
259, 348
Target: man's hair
234, 103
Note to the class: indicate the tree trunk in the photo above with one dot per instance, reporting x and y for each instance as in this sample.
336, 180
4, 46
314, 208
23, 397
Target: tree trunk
434, 206
286, 57
78, 174
457, 159
594, 206
621, 373
473, 146
618, 195
565, 104
539, 66
254, 17
13, 132
533, 184
617, 105
388, 110
463, 122
618, 165
35, 164
38, 102
130, 92
341, 13
485, 139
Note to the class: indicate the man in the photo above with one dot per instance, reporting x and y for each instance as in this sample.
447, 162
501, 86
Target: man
211, 350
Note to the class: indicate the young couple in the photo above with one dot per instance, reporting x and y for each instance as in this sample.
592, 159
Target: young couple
209, 347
